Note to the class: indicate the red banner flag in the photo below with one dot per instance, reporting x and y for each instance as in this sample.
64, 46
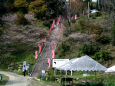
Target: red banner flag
40, 48
53, 54
52, 25
51, 45
54, 43
36, 54
49, 62
47, 33
58, 20
75, 16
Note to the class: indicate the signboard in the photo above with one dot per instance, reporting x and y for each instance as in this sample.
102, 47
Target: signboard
59, 62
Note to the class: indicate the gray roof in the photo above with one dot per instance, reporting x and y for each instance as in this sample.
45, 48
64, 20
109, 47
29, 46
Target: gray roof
84, 63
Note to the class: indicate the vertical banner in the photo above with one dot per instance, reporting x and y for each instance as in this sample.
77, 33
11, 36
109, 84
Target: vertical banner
40, 48
52, 26
49, 62
36, 54
53, 54
54, 44
47, 33
58, 20
75, 16
51, 45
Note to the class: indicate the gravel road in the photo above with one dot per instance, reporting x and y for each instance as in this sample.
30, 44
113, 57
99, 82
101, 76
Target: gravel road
19, 80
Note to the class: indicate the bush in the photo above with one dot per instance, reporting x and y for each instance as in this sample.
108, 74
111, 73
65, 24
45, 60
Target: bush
46, 23
104, 39
21, 19
95, 29
39, 8
1, 31
73, 21
113, 34
89, 49
102, 55
21, 5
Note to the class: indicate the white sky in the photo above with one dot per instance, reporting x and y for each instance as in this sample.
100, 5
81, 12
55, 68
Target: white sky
94, 0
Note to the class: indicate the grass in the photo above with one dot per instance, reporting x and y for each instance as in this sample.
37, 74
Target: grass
98, 79
4, 80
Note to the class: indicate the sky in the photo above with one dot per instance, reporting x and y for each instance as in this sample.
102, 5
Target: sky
94, 0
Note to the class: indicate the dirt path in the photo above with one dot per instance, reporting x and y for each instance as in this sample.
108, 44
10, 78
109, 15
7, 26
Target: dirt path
15, 80
19, 80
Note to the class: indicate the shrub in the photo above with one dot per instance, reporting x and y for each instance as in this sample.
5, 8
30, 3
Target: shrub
89, 49
21, 5
39, 8
1, 31
103, 55
46, 23
21, 19
113, 34
95, 29
104, 39
73, 21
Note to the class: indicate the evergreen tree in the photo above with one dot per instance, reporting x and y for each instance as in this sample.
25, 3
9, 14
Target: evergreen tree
113, 34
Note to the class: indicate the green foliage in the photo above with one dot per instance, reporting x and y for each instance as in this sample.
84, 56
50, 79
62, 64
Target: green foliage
21, 5
89, 49
94, 15
18, 53
47, 23
21, 19
73, 21
55, 8
103, 39
39, 8
4, 80
1, 31
102, 55
95, 29
113, 34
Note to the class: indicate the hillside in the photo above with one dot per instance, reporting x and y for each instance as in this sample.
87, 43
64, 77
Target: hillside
18, 42
89, 36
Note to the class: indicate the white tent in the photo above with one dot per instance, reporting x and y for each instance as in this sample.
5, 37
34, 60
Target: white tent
111, 69
67, 65
85, 63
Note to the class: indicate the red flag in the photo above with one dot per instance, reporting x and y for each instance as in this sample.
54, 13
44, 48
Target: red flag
58, 20
75, 16
36, 54
51, 45
47, 33
49, 62
54, 43
52, 25
40, 48
53, 54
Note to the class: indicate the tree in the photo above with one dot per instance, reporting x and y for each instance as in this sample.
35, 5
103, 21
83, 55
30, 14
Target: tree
39, 8
55, 8
21, 5
77, 7
103, 55
113, 34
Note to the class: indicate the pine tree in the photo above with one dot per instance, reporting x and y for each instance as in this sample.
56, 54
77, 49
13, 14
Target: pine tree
113, 33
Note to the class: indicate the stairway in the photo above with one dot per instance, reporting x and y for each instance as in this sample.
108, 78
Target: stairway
42, 63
